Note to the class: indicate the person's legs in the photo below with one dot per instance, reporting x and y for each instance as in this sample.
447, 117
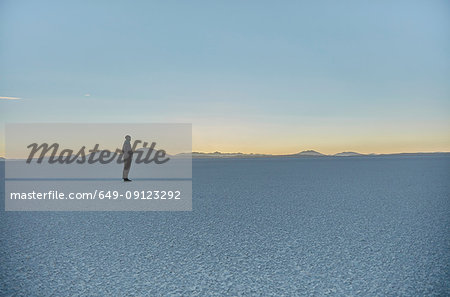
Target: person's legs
126, 167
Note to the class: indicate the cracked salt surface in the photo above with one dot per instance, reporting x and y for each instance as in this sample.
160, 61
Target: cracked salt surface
259, 227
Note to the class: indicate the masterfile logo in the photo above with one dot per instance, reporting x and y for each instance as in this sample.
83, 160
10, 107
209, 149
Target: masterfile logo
67, 156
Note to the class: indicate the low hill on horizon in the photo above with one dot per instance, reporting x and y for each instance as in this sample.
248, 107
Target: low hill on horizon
310, 153
348, 154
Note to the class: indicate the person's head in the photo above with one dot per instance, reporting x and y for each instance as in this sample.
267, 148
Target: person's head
128, 137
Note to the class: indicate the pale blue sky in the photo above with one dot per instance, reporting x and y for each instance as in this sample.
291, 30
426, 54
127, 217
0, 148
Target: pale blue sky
368, 76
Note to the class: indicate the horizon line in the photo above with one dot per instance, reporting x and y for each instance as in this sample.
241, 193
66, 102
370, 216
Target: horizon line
331, 154
305, 153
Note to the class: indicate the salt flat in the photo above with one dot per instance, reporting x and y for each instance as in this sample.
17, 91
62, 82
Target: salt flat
365, 226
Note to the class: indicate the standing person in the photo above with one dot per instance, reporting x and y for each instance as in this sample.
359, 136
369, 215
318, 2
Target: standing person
127, 157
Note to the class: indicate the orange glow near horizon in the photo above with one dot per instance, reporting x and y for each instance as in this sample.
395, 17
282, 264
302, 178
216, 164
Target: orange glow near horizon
324, 138
324, 149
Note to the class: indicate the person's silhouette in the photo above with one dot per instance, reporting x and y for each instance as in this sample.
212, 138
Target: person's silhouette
127, 157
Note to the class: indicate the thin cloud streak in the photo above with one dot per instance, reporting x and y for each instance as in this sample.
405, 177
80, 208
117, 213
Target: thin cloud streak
10, 98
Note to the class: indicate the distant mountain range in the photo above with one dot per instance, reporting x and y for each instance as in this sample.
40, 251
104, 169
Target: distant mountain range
303, 154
